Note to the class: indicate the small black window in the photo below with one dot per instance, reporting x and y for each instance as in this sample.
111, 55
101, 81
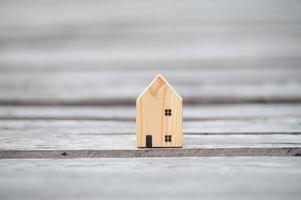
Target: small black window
167, 112
167, 138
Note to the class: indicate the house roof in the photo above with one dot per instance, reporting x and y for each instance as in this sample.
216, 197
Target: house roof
158, 77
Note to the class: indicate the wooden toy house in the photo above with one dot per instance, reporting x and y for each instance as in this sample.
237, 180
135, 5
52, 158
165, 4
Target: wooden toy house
159, 116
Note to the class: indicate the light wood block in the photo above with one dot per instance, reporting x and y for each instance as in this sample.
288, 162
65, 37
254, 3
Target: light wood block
159, 116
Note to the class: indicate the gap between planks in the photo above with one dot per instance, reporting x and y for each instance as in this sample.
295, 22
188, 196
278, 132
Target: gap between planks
191, 101
130, 119
155, 152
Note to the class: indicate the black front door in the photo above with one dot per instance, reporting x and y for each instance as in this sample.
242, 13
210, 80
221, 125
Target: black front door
149, 141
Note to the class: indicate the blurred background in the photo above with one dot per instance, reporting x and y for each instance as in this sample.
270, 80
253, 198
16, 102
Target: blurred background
70, 71
63, 52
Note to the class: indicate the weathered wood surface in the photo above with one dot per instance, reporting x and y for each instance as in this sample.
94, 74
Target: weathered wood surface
50, 57
268, 126
152, 178
101, 87
62, 64
127, 113
70, 72
86, 135
158, 152
273, 136
114, 127
55, 33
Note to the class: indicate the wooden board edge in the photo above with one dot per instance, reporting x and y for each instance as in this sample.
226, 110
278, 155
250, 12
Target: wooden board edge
157, 152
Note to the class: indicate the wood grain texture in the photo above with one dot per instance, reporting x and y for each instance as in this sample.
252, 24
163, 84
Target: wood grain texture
224, 126
152, 118
158, 152
127, 113
57, 55
89, 135
211, 86
70, 72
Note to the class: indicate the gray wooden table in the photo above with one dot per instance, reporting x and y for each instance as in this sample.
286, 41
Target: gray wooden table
70, 72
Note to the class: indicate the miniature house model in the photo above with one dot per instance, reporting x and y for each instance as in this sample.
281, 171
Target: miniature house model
159, 116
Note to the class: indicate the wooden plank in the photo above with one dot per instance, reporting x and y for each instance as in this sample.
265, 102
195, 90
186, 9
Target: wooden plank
56, 141
93, 128
127, 113
83, 135
216, 64
215, 127
165, 178
121, 88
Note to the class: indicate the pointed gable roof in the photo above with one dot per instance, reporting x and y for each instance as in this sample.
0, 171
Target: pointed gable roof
159, 80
